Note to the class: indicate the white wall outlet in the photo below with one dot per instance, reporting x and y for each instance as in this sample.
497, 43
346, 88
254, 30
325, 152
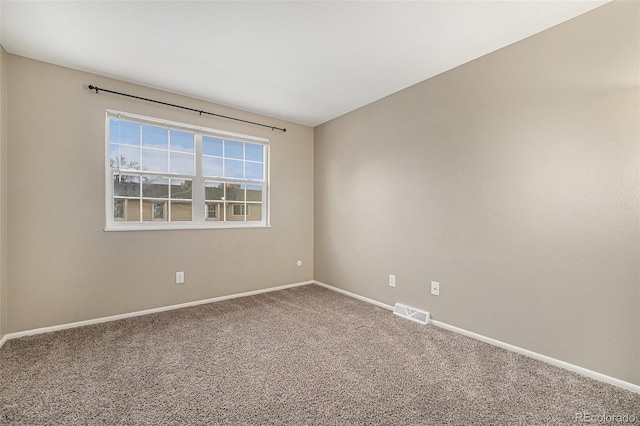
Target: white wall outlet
435, 288
299, 263
179, 277
392, 280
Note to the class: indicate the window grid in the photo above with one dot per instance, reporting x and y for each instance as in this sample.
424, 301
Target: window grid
142, 171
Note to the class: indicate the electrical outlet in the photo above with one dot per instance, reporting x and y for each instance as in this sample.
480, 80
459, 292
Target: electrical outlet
179, 277
392, 280
435, 288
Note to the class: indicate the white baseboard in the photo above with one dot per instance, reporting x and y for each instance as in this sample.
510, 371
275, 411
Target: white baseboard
18, 334
562, 364
553, 361
355, 296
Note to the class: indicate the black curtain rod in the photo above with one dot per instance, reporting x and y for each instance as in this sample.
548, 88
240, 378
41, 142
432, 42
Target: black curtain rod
97, 89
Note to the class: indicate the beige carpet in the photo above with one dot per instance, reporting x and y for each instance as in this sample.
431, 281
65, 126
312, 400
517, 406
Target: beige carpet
300, 356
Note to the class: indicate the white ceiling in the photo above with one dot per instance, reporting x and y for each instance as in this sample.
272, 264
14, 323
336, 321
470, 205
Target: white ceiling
306, 62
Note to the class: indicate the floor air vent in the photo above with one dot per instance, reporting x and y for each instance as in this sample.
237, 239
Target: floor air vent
412, 314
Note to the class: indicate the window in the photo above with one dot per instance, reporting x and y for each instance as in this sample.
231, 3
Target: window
166, 175
239, 210
212, 211
119, 209
158, 211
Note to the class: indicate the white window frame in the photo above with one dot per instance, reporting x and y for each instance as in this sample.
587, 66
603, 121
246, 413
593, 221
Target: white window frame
199, 210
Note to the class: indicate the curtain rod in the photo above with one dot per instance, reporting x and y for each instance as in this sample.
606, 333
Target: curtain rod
97, 89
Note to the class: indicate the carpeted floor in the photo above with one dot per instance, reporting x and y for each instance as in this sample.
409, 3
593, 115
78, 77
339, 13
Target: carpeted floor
304, 355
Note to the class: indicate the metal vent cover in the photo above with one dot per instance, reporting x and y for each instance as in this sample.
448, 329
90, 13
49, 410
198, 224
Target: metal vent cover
416, 315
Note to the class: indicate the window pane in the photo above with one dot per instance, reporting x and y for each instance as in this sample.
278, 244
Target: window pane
235, 212
155, 187
214, 212
211, 166
119, 209
124, 132
155, 137
253, 152
211, 146
155, 160
254, 212
213, 190
126, 186
233, 149
182, 163
132, 212
181, 211
254, 192
234, 169
159, 210
114, 156
126, 210
235, 192
181, 188
253, 171
154, 211
124, 157
181, 141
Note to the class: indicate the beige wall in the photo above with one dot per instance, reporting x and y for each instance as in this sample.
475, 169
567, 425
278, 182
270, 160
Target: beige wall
513, 181
65, 268
3, 191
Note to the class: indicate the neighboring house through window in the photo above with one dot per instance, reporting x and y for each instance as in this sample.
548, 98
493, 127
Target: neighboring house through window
239, 210
119, 209
212, 211
158, 211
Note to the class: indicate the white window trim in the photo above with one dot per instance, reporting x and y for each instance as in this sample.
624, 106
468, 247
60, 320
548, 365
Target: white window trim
198, 195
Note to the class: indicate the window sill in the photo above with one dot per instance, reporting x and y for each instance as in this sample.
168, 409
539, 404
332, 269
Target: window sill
173, 227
